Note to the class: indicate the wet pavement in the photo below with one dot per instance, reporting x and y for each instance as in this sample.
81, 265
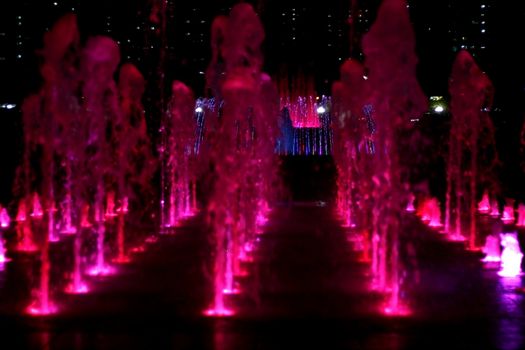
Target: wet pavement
307, 288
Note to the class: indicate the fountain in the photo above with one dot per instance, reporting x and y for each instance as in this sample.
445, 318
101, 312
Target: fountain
508, 217
510, 256
5, 221
492, 249
88, 164
371, 112
242, 138
471, 133
396, 98
351, 136
521, 215
96, 159
178, 153
484, 204
410, 205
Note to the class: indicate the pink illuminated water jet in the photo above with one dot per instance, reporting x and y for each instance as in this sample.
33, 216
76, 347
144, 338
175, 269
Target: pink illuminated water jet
5, 220
76, 288
492, 249
508, 216
510, 256
37, 309
484, 204
243, 141
178, 156
110, 205
37, 212
471, 140
494, 209
521, 215
396, 97
410, 205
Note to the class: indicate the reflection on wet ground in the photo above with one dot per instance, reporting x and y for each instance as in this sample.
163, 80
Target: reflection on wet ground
306, 288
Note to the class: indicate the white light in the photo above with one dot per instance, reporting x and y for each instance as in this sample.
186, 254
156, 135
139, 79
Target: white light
483, 30
321, 110
198, 109
439, 109
365, 77
55, 3
8, 106
483, 6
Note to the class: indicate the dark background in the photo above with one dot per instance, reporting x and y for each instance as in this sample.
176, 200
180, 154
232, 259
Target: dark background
305, 40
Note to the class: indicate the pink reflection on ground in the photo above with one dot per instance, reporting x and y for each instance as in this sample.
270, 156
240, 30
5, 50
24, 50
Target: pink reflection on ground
152, 239
399, 311
220, 312
138, 249
122, 259
231, 291
71, 288
104, 270
37, 310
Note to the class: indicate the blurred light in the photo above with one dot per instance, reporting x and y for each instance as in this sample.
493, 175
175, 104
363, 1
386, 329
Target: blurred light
8, 106
198, 110
439, 109
321, 110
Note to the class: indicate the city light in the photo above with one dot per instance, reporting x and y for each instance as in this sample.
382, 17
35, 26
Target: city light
7, 106
321, 110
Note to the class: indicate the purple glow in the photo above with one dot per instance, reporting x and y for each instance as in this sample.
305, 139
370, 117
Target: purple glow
492, 249
511, 256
